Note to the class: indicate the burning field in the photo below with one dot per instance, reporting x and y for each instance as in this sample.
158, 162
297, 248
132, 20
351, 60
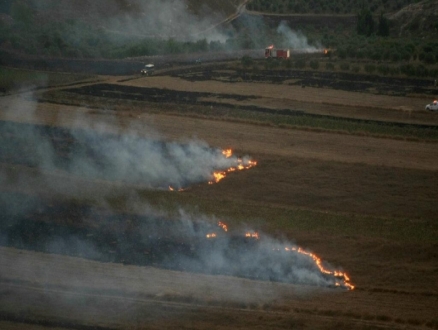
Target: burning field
217, 221
182, 244
179, 243
129, 159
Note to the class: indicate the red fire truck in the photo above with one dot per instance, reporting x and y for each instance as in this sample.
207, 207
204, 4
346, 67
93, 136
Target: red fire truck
272, 52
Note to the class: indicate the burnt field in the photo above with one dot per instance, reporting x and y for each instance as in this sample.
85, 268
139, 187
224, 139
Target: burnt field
334, 80
163, 95
92, 237
147, 240
58, 227
127, 158
224, 105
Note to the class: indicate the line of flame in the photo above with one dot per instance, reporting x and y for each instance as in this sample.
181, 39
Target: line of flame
337, 274
219, 175
318, 262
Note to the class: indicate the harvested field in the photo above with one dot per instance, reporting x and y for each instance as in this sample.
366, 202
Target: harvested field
73, 255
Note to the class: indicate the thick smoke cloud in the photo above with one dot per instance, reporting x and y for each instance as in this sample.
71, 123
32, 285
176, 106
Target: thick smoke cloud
94, 154
192, 243
236, 254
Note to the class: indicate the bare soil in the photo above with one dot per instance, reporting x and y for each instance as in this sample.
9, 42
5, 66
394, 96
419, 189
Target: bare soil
365, 203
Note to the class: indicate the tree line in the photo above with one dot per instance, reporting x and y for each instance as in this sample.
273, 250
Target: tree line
327, 6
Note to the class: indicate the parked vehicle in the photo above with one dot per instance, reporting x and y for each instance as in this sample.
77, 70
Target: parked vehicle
432, 106
271, 52
148, 70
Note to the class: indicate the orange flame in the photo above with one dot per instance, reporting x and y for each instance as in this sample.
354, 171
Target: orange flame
342, 278
227, 153
173, 189
222, 225
340, 275
252, 235
219, 175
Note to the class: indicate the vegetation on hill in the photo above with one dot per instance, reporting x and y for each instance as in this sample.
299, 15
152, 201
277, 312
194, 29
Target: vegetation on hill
326, 6
400, 43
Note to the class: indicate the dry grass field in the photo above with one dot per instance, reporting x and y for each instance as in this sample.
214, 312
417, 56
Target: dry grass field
364, 202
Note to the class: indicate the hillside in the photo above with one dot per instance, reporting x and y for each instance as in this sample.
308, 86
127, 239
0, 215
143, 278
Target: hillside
107, 28
327, 7
79, 9
134, 16
120, 29
416, 19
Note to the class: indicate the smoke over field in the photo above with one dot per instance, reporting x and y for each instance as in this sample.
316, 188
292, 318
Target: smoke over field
127, 158
57, 224
297, 40
192, 243
142, 19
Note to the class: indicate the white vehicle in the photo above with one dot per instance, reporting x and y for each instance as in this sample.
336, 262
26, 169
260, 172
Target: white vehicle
432, 106
148, 69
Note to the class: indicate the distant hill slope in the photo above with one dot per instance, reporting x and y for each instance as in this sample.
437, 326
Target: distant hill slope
89, 9
327, 6
110, 28
417, 19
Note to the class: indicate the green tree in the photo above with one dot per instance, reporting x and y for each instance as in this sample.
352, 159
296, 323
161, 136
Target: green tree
21, 12
365, 23
314, 64
247, 61
383, 26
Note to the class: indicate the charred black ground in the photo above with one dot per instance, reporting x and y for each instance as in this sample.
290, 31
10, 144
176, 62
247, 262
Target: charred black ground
59, 223
167, 96
54, 148
53, 226
334, 80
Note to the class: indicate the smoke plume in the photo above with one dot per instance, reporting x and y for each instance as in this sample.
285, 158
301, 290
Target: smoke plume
296, 40
192, 243
129, 158
162, 19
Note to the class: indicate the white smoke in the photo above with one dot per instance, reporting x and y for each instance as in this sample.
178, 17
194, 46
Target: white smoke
296, 40
162, 19
172, 19
94, 153
175, 242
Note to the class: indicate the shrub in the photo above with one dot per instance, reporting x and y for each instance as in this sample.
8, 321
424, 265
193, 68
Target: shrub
376, 55
383, 69
429, 58
247, 61
288, 64
421, 71
355, 68
300, 64
395, 56
329, 66
345, 66
314, 64
407, 69
370, 68
342, 53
